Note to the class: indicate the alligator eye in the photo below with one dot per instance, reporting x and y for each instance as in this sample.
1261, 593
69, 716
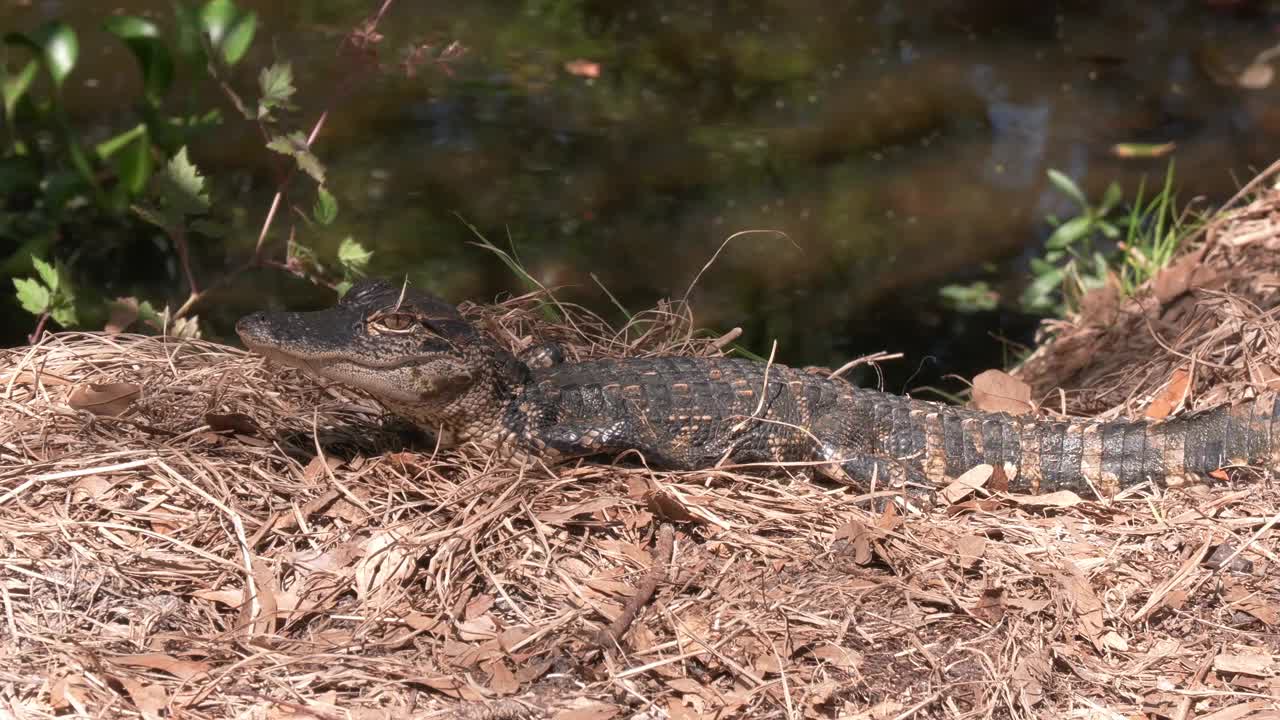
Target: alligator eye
398, 322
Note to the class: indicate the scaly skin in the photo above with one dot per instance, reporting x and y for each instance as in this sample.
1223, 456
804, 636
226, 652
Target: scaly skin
417, 356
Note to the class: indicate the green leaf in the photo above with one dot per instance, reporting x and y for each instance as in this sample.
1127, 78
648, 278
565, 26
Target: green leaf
143, 39
55, 42
230, 31
33, 296
187, 29
130, 155
326, 207
180, 190
1068, 187
15, 86
311, 165
295, 145
1111, 231
1110, 198
276, 86
1069, 232
47, 272
64, 314
353, 256
343, 287
210, 228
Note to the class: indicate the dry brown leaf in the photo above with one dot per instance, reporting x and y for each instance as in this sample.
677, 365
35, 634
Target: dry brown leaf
970, 480
232, 422
182, 669
668, 507
149, 698
121, 313
1262, 664
1101, 305
91, 487
841, 657
1256, 604
998, 391
586, 507
970, 549
1059, 499
477, 606
501, 680
1171, 396
1253, 709
481, 628
588, 710
1087, 606
105, 399
386, 563
583, 68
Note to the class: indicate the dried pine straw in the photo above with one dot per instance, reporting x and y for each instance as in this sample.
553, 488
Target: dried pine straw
247, 543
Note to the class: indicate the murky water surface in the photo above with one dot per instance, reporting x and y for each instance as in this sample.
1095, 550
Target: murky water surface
899, 145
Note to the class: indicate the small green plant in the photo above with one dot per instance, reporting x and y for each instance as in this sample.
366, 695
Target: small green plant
1126, 244
143, 176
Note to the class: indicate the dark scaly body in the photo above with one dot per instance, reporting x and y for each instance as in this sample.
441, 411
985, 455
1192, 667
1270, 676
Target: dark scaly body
417, 356
680, 413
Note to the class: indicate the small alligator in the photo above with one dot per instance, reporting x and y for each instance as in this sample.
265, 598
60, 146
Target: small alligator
422, 360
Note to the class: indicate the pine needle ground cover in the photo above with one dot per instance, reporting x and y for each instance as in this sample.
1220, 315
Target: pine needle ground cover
189, 531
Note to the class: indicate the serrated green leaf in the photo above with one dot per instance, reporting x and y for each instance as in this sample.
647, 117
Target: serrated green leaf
142, 37
295, 145
288, 144
343, 287
33, 296
326, 207
352, 255
1068, 187
47, 272
15, 86
311, 165
183, 186
64, 314
276, 85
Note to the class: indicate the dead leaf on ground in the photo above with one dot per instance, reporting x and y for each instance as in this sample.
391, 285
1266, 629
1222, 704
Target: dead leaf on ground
121, 313
149, 698
1262, 664
105, 399
970, 549
1058, 499
1171, 396
998, 391
183, 669
970, 480
1256, 604
233, 422
583, 68
588, 711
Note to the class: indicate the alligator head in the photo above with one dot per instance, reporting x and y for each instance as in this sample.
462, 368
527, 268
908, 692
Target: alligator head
411, 351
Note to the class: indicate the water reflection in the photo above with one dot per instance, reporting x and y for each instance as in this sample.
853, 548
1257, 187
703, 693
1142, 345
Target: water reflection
898, 145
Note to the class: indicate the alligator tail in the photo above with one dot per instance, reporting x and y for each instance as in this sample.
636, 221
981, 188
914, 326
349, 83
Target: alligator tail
1083, 456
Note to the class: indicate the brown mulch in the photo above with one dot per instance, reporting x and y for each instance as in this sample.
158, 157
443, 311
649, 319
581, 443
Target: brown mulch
191, 532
